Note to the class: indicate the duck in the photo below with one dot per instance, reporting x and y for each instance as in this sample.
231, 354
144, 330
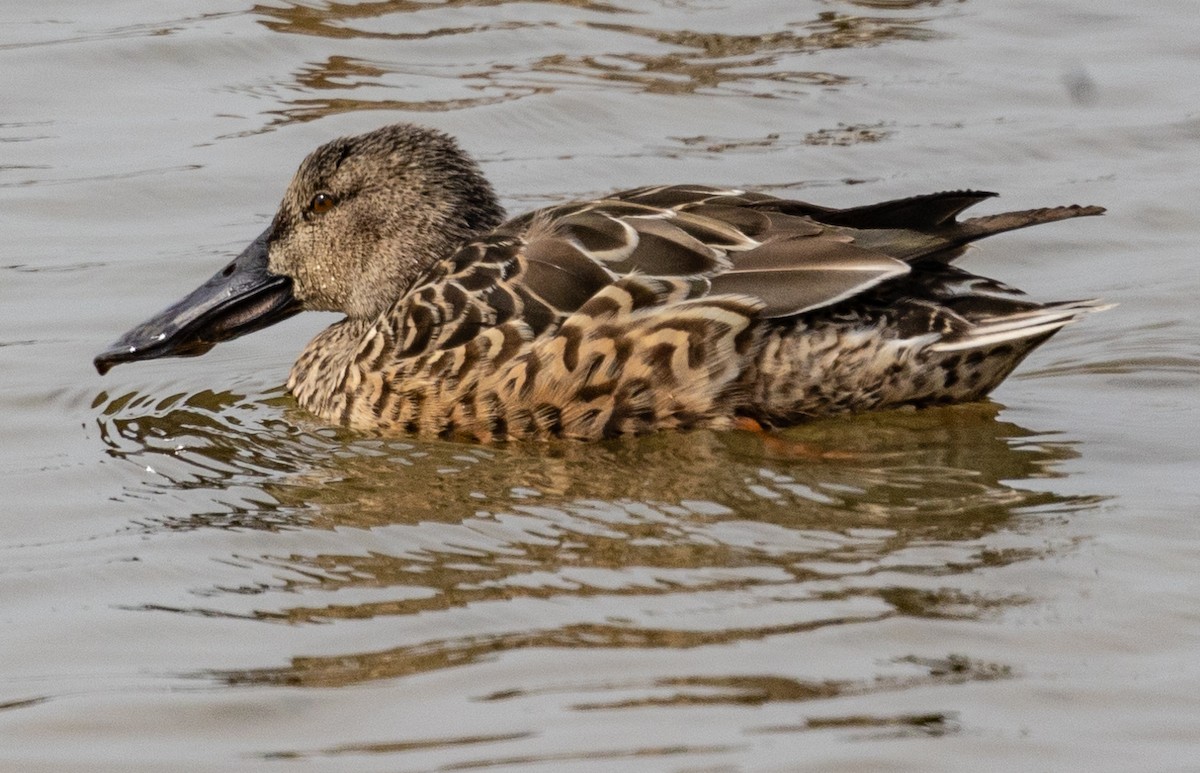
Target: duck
668, 307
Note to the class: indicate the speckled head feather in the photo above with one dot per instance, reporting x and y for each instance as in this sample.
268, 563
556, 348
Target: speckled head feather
363, 216
660, 307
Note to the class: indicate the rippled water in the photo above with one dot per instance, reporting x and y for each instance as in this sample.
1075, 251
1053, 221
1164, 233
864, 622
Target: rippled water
195, 575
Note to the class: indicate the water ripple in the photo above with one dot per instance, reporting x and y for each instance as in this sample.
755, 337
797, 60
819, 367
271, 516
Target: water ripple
556, 54
669, 541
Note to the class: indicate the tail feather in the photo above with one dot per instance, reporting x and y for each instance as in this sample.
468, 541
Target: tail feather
945, 240
926, 212
987, 333
982, 227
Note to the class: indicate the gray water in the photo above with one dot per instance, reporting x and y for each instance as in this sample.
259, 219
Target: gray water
195, 575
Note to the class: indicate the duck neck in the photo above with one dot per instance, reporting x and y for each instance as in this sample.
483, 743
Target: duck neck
318, 377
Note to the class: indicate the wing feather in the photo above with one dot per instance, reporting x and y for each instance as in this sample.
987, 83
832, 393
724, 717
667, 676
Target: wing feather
793, 276
792, 256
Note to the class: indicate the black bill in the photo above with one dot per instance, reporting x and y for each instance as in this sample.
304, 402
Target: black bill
241, 298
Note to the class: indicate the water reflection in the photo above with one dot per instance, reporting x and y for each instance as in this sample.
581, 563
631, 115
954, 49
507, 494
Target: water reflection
470, 65
757, 690
669, 542
331, 20
212, 445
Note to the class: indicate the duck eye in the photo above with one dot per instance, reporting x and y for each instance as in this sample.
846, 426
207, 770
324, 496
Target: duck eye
321, 203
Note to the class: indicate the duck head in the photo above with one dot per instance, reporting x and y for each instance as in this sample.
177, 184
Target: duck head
362, 220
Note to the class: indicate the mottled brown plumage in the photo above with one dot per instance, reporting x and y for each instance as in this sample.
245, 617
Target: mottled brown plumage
662, 307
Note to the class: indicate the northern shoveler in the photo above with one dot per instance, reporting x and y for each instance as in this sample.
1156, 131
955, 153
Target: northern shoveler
661, 307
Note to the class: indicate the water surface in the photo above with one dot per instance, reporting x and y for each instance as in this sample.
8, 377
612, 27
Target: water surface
196, 575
